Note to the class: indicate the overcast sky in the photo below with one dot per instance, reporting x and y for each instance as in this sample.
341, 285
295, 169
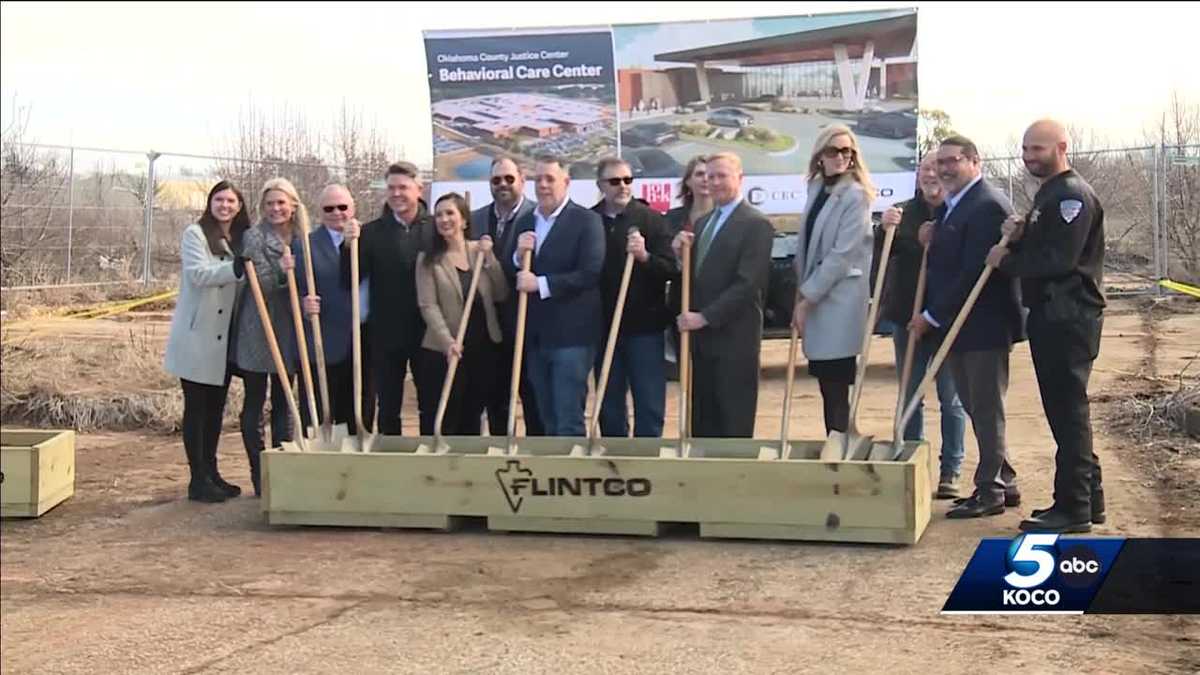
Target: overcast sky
173, 77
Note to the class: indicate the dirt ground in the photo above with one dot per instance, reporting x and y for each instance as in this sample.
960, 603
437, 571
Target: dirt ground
128, 576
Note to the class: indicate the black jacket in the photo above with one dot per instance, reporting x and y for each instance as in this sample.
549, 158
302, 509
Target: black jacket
646, 300
387, 257
1060, 258
904, 264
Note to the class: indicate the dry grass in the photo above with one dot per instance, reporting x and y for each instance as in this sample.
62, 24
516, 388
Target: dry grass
92, 383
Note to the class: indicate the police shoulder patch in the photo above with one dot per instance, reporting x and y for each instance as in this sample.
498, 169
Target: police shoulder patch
1070, 208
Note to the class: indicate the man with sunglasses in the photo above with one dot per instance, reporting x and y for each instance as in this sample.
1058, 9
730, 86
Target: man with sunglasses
632, 227
968, 225
331, 300
387, 259
497, 220
567, 243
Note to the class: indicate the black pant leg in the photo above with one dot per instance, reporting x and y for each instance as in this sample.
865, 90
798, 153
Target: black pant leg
281, 415
251, 419
370, 395
391, 367
499, 388
193, 429
341, 394
835, 402
429, 372
1063, 353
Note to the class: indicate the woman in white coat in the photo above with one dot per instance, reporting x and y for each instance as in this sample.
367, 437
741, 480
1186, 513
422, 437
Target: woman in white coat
833, 261
197, 349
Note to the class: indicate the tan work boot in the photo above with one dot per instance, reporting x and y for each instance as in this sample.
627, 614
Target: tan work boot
948, 486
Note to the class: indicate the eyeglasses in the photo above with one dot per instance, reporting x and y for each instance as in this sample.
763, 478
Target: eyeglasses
497, 180
339, 207
830, 152
628, 180
950, 161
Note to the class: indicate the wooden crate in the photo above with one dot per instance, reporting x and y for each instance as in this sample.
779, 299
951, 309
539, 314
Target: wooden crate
723, 487
38, 469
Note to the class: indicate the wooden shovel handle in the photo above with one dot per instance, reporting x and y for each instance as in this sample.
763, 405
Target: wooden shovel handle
518, 353
356, 337
910, 349
872, 313
318, 341
951, 334
613, 330
452, 368
273, 345
685, 349
306, 377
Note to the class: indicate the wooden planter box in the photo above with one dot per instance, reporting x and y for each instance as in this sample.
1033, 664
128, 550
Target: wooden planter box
723, 487
39, 471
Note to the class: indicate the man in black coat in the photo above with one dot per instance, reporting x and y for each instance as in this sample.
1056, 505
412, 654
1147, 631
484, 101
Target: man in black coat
498, 220
731, 258
968, 226
387, 256
1058, 253
632, 227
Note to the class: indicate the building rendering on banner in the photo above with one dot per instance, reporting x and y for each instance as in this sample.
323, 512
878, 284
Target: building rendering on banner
503, 116
852, 62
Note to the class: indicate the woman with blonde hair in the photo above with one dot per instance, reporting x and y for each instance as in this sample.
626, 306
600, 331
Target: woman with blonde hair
268, 245
832, 264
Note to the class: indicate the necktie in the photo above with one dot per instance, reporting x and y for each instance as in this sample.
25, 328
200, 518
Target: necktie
706, 238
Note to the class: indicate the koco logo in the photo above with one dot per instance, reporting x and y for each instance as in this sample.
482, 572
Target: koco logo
518, 482
1032, 561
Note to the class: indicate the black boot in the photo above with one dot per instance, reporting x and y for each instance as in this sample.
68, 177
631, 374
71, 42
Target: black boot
254, 457
226, 488
201, 487
1056, 522
1098, 516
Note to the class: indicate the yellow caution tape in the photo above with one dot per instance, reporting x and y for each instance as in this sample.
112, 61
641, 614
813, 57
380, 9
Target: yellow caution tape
1180, 287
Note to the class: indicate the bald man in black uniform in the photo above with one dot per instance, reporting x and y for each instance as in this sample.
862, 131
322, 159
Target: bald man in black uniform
1058, 253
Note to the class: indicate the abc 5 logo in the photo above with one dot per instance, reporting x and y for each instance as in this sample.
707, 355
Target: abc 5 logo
1032, 561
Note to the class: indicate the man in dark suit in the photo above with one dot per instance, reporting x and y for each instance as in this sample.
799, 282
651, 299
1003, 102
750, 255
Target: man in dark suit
968, 226
731, 260
498, 220
387, 257
563, 324
332, 301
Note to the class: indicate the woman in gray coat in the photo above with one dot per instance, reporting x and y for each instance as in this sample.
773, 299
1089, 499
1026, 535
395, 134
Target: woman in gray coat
198, 345
833, 260
268, 245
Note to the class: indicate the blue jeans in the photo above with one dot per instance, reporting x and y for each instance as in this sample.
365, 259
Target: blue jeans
954, 418
559, 378
638, 364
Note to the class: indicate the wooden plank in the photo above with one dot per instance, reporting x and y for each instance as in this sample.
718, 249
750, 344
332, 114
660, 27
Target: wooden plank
37, 475
861, 494
646, 528
16, 492
444, 523
870, 535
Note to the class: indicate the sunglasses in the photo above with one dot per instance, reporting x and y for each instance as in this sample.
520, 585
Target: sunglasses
628, 180
830, 152
339, 207
496, 180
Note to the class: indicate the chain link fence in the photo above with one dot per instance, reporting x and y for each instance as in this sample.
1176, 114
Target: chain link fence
73, 215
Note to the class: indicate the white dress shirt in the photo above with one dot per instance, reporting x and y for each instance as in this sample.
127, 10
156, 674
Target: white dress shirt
541, 229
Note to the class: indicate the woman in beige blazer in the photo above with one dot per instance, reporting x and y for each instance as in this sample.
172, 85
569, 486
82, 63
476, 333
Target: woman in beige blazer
443, 279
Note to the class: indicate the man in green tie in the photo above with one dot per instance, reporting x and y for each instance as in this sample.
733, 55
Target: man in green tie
729, 279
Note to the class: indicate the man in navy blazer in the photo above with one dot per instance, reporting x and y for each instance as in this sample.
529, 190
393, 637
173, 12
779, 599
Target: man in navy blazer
498, 220
563, 323
968, 226
331, 301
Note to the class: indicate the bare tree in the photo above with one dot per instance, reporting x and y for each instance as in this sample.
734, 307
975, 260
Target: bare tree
31, 182
1179, 137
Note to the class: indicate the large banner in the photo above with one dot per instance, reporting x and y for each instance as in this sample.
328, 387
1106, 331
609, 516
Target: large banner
762, 88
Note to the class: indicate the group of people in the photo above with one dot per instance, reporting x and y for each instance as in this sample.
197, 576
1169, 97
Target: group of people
568, 260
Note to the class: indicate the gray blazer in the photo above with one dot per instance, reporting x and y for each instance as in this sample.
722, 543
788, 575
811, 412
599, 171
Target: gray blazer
440, 296
264, 247
832, 273
199, 338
